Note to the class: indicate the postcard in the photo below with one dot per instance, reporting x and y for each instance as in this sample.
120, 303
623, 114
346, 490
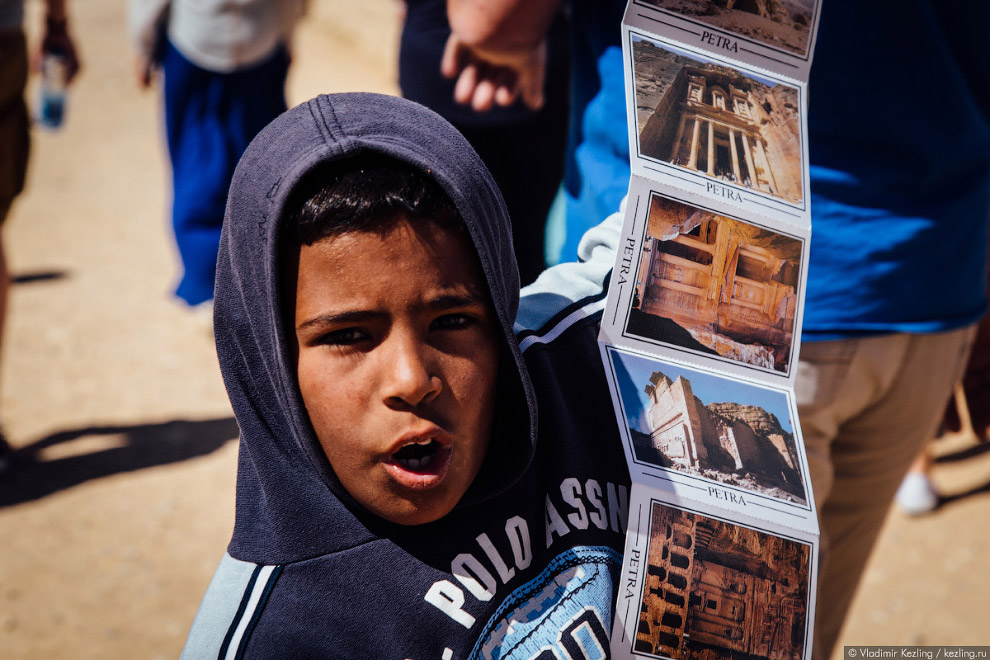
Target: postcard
777, 35
703, 436
712, 128
706, 287
696, 585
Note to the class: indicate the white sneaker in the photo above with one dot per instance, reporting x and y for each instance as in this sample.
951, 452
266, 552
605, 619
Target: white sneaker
917, 495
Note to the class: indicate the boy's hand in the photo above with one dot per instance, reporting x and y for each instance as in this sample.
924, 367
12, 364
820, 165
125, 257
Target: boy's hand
488, 77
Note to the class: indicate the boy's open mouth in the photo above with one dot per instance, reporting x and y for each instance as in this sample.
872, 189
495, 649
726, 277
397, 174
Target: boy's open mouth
420, 464
417, 456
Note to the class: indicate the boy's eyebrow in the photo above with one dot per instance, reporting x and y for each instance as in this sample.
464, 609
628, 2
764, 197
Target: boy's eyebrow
449, 300
444, 301
343, 317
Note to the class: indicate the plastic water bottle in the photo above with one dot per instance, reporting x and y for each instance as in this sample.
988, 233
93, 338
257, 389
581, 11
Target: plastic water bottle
51, 102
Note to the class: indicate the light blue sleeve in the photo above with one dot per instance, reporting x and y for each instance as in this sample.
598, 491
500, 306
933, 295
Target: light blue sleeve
218, 609
575, 285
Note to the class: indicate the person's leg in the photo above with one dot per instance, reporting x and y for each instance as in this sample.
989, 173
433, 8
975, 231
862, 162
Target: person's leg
4, 277
867, 407
210, 120
193, 145
14, 120
5, 448
14, 147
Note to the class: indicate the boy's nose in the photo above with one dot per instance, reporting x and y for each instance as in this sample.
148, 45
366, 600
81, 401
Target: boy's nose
408, 379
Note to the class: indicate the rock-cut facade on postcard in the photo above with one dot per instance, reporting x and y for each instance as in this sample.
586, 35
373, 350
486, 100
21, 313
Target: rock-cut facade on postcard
714, 590
732, 286
724, 438
715, 121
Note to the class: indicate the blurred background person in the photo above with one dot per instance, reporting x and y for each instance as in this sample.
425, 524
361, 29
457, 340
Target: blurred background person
897, 267
521, 139
501, 43
14, 117
224, 65
968, 413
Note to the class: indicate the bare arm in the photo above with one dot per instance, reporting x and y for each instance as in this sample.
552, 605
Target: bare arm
497, 50
146, 21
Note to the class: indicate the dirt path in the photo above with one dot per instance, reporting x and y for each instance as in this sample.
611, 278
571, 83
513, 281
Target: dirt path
113, 390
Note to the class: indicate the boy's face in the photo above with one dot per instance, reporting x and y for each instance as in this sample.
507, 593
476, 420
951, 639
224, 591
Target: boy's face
397, 364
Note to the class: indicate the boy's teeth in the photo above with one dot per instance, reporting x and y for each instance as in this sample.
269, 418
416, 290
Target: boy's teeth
416, 463
425, 442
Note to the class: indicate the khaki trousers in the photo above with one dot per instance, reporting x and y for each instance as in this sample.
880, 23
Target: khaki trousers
867, 407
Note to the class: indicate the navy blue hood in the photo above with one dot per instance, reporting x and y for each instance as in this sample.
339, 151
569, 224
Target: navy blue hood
290, 504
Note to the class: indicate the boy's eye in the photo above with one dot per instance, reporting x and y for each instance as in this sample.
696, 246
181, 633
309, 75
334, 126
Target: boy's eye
452, 321
343, 337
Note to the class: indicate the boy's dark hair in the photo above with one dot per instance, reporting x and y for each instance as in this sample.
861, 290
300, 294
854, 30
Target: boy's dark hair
362, 193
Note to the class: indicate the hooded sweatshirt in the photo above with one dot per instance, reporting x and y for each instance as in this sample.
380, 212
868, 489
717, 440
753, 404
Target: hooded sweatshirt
527, 561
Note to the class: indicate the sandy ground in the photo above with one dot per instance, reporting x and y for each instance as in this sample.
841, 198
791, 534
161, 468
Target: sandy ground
125, 477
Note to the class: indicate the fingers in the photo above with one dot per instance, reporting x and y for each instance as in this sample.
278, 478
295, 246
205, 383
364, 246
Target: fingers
71, 65
532, 78
484, 95
56, 40
506, 89
532, 96
472, 85
482, 86
484, 81
451, 62
61, 45
465, 85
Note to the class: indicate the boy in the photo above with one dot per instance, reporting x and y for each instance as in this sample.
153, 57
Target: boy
396, 497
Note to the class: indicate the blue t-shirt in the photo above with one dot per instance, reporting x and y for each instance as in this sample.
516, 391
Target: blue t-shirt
900, 168
899, 141
596, 177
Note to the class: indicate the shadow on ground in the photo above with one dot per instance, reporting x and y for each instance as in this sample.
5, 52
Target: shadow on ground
952, 499
69, 458
965, 454
40, 276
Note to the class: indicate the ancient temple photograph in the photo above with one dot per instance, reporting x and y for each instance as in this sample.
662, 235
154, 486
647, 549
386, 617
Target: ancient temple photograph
716, 590
716, 285
783, 24
724, 431
718, 122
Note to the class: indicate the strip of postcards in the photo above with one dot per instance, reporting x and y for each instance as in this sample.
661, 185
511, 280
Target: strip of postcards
701, 331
